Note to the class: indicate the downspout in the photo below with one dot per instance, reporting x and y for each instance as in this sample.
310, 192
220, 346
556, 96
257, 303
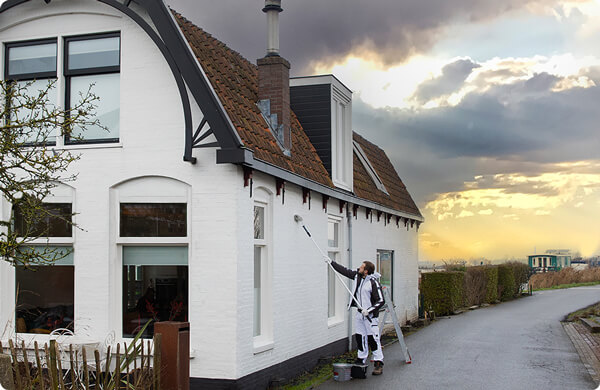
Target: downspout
349, 218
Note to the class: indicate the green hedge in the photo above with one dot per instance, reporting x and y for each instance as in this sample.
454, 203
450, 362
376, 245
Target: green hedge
475, 285
521, 273
442, 291
507, 288
491, 284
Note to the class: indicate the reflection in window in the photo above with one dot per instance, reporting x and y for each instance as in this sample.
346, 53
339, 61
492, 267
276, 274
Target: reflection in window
53, 220
155, 287
45, 296
385, 266
95, 61
31, 59
153, 220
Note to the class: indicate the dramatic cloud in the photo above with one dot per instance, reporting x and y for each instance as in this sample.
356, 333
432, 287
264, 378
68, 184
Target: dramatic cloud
452, 78
388, 30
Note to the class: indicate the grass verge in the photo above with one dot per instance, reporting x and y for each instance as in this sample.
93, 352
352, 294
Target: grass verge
588, 311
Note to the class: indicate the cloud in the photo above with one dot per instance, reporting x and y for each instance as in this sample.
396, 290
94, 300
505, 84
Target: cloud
389, 31
452, 78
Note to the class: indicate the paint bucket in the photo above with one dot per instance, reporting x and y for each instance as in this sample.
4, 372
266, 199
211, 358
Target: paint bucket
341, 371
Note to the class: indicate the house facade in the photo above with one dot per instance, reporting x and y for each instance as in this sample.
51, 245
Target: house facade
186, 199
549, 262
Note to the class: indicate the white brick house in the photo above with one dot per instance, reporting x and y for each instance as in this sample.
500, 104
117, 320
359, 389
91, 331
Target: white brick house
192, 194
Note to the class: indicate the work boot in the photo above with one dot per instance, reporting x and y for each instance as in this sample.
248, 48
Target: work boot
378, 370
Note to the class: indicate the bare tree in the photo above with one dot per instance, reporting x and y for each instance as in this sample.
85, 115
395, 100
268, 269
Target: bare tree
31, 166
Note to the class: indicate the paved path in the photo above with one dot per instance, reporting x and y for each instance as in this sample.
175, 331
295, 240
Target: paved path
514, 345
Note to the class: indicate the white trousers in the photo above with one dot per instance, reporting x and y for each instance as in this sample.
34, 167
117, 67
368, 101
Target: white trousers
367, 335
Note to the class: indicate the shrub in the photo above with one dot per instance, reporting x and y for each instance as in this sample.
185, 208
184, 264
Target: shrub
521, 274
442, 291
475, 286
565, 276
506, 282
491, 283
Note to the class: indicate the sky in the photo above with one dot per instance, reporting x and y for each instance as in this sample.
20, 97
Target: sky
488, 109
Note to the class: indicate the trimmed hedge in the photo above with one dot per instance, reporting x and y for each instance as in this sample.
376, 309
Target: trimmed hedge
521, 273
491, 284
507, 288
475, 285
442, 291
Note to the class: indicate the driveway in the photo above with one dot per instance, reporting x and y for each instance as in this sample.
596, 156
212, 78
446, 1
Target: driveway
515, 345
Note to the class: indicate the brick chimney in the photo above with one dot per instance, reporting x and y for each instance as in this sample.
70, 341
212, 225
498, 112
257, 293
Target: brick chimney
274, 81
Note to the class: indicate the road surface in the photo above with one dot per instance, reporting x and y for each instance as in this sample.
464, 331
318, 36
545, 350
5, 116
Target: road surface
515, 345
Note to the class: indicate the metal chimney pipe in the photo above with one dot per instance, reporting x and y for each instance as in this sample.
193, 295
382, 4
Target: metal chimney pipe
272, 9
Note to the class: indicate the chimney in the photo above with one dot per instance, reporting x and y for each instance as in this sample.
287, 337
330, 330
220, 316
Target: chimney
274, 81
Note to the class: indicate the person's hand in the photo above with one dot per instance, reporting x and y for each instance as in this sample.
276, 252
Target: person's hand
365, 312
327, 259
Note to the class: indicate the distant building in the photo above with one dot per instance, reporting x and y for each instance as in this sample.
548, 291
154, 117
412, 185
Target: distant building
552, 260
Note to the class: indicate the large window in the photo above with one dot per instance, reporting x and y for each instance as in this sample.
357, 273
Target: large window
385, 266
45, 294
94, 61
91, 64
32, 66
262, 277
155, 277
333, 251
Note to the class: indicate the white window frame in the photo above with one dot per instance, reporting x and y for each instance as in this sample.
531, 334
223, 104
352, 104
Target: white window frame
335, 295
61, 194
341, 136
153, 189
264, 340
378, 267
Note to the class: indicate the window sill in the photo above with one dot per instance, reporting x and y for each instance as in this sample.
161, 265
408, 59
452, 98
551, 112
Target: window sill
261, 345
107, 145
334, 321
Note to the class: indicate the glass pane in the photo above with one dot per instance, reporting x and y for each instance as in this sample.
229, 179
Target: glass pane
150, 292
62, 254
153, 220
385, 268
257, 293
44, 299
106, 88
333, 234
155, 255
331, 287
53, 220
20, 114
93, 53
259, 222
32, 59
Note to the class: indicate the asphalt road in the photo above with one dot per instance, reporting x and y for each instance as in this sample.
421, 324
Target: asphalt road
514, 345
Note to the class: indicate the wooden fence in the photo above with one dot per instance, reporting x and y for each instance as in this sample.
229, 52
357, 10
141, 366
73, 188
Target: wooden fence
61, 366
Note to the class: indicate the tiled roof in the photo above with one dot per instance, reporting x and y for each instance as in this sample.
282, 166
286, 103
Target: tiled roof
235, 80
364, 187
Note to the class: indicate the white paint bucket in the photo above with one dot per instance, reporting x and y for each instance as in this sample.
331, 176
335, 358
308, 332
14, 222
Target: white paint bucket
341, 371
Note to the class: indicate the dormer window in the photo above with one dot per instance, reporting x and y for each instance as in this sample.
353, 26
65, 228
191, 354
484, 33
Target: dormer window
324, 107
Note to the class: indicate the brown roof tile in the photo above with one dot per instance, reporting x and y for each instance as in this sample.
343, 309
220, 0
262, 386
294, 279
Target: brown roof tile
364, 187
234, 79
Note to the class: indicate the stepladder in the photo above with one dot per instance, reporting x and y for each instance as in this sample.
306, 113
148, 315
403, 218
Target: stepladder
389, 311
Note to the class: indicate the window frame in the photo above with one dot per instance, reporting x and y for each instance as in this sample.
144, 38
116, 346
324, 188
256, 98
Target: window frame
29, 76
392, 261
338, 311
69, 74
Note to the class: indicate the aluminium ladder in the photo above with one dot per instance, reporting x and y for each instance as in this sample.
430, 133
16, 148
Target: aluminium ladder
389, 310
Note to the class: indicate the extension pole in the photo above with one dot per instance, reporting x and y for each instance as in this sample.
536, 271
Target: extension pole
298, 218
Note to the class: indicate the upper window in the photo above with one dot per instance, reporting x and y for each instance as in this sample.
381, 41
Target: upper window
94, 61
51, 220
153, 220
31, 60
